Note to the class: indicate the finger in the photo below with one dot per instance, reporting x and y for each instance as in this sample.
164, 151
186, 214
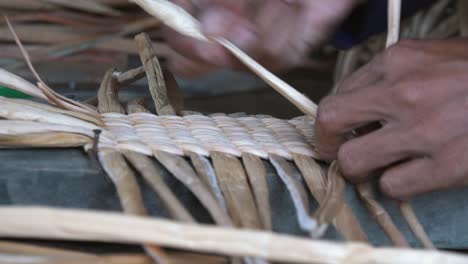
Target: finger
424, 134
218, 22
447, 168
408, 179
199, 51
360, 157
339, 114
263, 16
215, 20
273, 45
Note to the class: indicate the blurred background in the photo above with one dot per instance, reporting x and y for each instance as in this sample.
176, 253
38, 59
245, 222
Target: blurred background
72, 44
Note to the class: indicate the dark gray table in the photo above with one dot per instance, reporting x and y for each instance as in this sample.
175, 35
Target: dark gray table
68, 178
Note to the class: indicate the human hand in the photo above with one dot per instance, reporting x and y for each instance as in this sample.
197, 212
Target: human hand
417, 93
277, 33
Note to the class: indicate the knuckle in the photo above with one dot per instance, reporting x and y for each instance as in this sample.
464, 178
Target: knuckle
396, 53
421, 137
327, 114
348, 162
420, 133
407, 95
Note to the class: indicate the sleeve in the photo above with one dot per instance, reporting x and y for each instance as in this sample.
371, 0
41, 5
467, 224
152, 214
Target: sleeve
370, 19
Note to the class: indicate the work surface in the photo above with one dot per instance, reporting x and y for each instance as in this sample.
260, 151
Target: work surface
68, 178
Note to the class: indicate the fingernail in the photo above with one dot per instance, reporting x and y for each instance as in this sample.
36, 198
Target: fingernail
389, 186
386, 185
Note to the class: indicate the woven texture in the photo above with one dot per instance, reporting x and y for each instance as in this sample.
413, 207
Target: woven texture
258, 135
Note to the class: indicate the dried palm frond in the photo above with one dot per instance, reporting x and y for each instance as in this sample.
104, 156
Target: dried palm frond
219, 158
62, 33
112, 227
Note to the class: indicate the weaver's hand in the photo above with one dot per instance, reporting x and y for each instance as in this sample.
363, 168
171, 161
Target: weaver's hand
277, 33
416, 96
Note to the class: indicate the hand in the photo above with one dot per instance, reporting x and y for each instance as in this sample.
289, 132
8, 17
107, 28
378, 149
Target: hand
415, 96
277, 33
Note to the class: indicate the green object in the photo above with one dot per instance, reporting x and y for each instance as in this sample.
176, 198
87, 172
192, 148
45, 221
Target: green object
7, 92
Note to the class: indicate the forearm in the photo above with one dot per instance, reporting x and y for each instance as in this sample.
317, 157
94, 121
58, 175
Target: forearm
370, 19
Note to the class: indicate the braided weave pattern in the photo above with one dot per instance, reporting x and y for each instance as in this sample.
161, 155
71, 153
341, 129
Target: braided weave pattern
257, 135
